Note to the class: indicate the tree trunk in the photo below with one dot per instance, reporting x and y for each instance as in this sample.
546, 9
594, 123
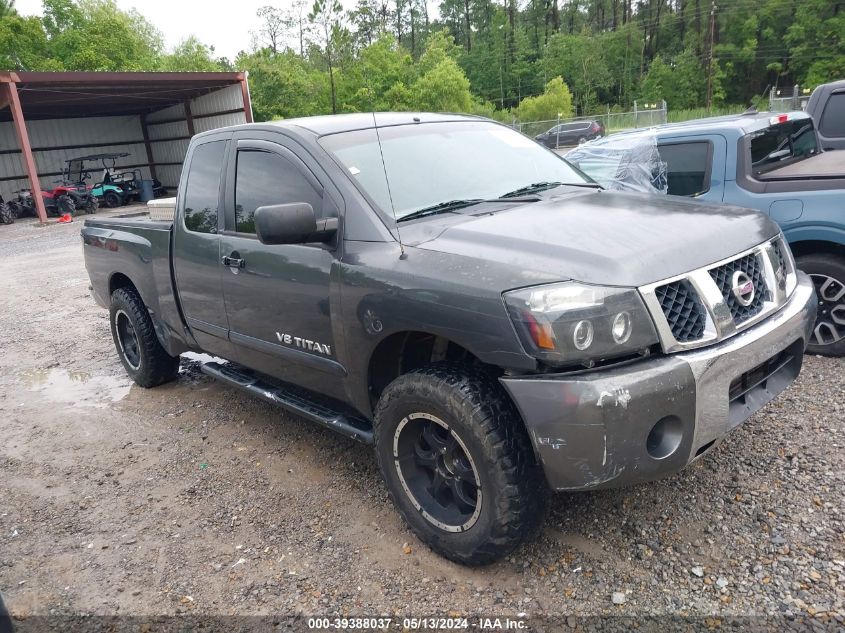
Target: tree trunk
331, 67
413, 33
468, 25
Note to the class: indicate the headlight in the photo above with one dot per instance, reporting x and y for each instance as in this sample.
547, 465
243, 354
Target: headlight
573, 323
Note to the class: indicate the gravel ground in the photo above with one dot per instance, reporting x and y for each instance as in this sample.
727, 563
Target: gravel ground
195, 499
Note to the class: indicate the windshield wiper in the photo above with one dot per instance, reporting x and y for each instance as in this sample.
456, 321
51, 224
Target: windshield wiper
543, 186
441, 207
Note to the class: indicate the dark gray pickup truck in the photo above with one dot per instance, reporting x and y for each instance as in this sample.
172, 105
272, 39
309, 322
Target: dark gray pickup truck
463, 299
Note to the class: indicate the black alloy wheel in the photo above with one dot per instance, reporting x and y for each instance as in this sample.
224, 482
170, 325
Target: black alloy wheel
437, 472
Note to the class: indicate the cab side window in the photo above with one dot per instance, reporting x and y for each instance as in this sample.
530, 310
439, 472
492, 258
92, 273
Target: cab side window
687, 167
203, 187
265, 178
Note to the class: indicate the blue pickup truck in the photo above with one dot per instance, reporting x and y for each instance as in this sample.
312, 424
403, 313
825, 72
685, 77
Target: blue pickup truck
764, 161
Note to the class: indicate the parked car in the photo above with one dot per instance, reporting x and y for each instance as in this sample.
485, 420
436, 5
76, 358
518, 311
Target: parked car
769, 162
572, 133
827, 107
462, 299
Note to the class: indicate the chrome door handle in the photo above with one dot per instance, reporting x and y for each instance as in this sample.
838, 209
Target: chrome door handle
233, 262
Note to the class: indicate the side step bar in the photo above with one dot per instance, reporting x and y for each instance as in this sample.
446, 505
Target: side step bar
291, 400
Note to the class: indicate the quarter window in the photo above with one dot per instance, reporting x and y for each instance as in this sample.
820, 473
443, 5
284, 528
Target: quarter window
202, 190
687, 167
266, 178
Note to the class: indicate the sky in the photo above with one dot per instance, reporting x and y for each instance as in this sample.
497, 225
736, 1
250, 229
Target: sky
226, 26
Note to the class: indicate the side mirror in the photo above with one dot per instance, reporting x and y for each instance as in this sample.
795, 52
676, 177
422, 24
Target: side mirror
293, 223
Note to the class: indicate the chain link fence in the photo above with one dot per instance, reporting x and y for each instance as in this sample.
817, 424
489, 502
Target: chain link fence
788, 99
566, 132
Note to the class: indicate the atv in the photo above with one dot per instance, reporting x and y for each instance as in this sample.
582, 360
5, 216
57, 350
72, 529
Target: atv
6, 215
55, 205
83, 199
75, 172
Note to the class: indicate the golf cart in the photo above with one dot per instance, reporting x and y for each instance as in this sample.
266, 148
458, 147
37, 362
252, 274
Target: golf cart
75, 171
129, 181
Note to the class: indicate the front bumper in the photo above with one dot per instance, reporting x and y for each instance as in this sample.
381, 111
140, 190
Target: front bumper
651, 418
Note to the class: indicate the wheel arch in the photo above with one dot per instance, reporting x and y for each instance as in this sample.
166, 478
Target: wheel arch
401, 352
812, 247
119, 280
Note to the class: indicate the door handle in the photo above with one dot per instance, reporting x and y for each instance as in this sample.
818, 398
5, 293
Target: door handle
233, 262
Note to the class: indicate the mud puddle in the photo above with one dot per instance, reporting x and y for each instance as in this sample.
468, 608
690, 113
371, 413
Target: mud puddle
76, 388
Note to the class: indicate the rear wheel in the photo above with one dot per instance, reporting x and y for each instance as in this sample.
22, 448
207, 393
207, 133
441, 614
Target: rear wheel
112, 199
138, 347
828, 275
458, 463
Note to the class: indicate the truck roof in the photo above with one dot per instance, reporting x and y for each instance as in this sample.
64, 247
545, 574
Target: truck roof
334, 123
741, 124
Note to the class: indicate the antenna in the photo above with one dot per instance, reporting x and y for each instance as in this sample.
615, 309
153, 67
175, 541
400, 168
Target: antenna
402, 254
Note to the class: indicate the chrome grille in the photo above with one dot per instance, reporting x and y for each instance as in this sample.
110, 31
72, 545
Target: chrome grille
752, 268
683, 309
699, 307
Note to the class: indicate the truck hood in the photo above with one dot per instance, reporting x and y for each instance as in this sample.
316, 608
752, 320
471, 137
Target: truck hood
598, 237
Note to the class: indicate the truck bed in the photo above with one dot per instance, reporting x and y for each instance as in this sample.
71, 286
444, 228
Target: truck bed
821, 166
136, 249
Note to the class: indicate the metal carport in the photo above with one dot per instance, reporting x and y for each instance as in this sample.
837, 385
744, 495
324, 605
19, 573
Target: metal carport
48, 117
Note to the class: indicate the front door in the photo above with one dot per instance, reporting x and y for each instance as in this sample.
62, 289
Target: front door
277, 296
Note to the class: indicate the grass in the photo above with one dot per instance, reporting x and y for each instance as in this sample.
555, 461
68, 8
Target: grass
677, 116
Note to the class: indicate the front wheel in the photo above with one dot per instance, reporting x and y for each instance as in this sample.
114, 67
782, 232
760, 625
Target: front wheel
458, 463
6, 215
828, 275
112, 199
138, 347
92, 204
65, 205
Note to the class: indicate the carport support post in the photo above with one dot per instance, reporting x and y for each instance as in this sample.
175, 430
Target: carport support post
145, 132
247, 99
26, 150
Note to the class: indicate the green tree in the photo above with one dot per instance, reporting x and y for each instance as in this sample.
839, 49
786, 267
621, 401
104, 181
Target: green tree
24, 45
556, 101
327, 15
441, 85
379, 67
190, 55
580, 61
96, 35
682, 82
284, 85
7, 7
444, 88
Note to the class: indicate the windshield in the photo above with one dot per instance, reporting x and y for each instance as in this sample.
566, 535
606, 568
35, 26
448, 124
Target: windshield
783, 143
431, 163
